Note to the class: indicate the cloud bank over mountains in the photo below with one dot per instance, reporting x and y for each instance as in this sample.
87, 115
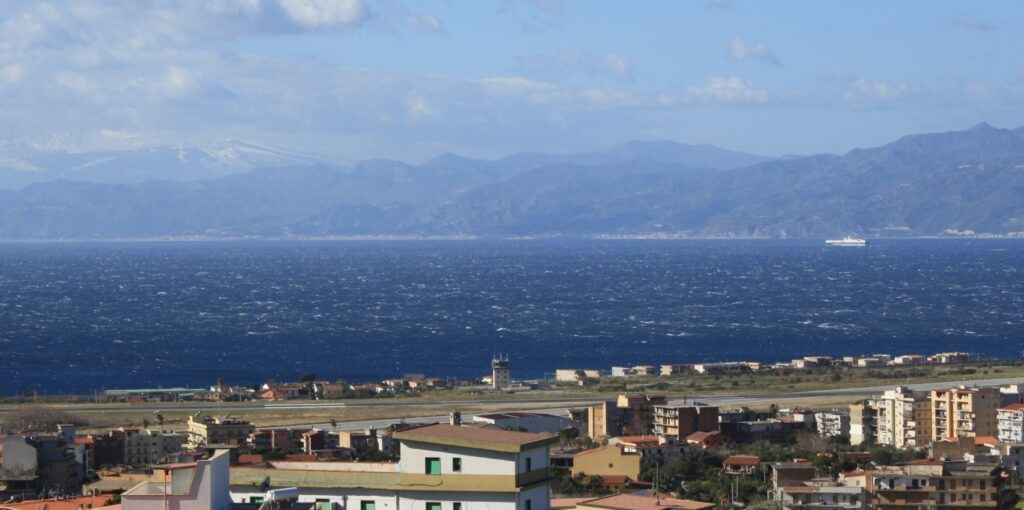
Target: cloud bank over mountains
358, 79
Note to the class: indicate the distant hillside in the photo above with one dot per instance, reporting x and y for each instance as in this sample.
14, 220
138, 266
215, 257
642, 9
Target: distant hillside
918, 185
21, 166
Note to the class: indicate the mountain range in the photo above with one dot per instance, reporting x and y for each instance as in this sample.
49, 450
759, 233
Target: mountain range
919, 185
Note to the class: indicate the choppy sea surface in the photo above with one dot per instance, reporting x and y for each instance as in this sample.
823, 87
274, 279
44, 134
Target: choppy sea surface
79, 317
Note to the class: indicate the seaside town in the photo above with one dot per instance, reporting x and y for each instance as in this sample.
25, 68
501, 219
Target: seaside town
951, 446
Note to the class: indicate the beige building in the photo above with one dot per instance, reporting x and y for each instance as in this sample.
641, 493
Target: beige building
144, 447
863, 423
208, 430
935, 484
607, 460
576, 374
904, 418
638, 413
964, 411
676, 422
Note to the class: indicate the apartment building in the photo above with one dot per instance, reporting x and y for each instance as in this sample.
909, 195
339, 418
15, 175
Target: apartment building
835, 422
442, 467
935, 484
1010, 423
904, 418
964, 411
638, 413
675, 422
828, 496
863, 423
144, 447
208, 430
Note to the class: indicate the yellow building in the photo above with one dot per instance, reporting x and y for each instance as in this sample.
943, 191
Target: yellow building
218, 431
964, 411
605, 461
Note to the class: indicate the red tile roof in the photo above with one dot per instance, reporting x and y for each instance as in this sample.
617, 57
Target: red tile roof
742, 460
59, 504
566, 503
699, 437
1013, 407
632, 502
639, 439
983, 440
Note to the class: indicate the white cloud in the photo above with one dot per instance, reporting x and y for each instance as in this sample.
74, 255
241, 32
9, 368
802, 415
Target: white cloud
425, 22
618, 65
972, 23
569, 63
730, 89
419, 109
12, 73
325, 13
743, 50
863, 92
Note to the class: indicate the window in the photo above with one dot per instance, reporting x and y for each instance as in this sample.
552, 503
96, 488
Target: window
433, 466
456, 465
367, 505
323, 504
529, 465
456, 506
256, 500
528, 505
433, 506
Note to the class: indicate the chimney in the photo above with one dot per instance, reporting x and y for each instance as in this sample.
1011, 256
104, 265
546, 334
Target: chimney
455, 418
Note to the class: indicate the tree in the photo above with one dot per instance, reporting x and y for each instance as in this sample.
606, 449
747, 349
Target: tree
39, 418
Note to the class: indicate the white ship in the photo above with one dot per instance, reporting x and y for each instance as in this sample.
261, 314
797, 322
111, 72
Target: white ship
847, 241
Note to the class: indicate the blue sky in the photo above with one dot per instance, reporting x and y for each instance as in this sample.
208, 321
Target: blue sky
359, 79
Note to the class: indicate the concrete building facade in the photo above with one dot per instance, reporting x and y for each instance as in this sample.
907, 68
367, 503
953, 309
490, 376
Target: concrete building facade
442, 467
1010, 423
218, 431
676, 422
964, 411
904, 418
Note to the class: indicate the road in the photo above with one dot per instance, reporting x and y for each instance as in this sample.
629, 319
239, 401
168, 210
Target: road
543, 404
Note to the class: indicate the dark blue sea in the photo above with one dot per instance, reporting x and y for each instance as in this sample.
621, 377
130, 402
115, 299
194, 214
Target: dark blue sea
80, 317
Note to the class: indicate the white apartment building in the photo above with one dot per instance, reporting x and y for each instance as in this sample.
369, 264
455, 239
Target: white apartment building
1010, 423
904, 418
442, 467
201, 485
